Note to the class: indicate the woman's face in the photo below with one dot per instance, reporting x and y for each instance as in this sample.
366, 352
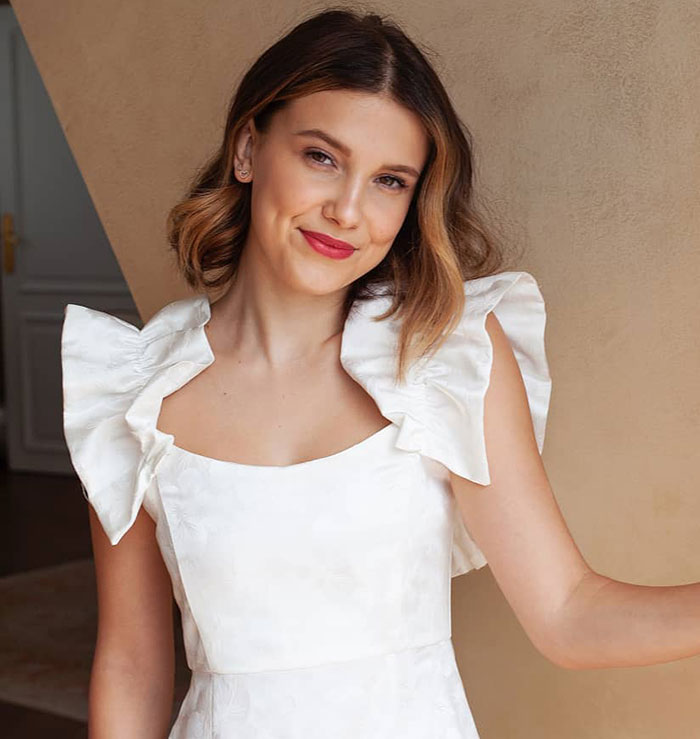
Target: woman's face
340, 163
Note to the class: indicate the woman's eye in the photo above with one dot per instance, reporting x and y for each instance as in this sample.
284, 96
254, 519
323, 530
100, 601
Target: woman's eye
313, 153
400, 184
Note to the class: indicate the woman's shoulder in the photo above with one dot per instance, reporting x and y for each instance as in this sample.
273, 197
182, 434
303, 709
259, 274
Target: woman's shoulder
94, 341
439, 406
114, 376
101, 327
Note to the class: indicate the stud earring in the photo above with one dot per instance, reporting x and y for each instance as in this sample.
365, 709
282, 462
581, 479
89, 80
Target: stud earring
242, 172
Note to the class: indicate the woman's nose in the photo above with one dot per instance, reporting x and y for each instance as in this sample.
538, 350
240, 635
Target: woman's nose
345, 206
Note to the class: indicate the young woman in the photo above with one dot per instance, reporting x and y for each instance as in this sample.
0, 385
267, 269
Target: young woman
305, 462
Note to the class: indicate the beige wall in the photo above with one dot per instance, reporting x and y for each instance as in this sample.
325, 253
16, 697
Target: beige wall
585, 118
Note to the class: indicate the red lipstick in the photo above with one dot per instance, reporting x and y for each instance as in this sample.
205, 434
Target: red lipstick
327, 245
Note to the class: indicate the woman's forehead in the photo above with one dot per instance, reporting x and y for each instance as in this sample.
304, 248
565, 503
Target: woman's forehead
355, 121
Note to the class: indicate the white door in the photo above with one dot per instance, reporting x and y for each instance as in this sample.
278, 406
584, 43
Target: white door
54, 251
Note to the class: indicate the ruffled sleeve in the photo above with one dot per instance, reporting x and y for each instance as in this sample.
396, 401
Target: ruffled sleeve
440, 407
114, 378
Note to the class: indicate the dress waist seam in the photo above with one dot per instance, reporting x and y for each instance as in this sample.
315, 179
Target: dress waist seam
413, 648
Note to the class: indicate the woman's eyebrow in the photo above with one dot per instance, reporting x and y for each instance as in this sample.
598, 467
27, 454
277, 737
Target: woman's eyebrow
332, 141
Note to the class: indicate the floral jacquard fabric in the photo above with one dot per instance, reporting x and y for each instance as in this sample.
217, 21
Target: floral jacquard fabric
315, 597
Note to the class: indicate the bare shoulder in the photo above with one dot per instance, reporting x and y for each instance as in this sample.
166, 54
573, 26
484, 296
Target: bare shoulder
515, 520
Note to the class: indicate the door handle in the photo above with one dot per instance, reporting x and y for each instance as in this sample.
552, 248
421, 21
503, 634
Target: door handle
9, 241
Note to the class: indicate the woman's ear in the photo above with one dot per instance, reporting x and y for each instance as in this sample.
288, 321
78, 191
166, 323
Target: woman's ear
243, 160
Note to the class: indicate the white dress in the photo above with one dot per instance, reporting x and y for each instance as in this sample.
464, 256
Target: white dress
315, 597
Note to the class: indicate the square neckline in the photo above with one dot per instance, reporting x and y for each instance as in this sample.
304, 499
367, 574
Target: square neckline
353, 449
359, 446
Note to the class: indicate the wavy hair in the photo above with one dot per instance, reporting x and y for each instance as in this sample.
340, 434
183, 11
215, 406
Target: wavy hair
442, 241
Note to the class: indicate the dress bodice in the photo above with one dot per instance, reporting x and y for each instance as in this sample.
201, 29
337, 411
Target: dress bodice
339, 558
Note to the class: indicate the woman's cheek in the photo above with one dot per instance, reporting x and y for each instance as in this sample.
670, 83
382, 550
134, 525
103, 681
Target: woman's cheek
386, 223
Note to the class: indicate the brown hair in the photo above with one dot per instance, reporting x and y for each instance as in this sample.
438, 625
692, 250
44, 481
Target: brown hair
442, 241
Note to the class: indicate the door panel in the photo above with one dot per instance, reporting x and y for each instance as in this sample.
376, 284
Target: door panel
61, 255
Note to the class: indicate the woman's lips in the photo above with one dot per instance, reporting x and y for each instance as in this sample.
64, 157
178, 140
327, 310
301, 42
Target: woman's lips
327, 245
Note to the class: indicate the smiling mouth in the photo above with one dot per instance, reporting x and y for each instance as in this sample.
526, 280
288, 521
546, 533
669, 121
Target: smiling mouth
329, 240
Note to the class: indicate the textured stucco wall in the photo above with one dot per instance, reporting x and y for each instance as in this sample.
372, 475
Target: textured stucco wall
585, 118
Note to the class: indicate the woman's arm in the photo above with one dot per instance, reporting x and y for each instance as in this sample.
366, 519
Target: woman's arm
133, 670
576, 617
610, 623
